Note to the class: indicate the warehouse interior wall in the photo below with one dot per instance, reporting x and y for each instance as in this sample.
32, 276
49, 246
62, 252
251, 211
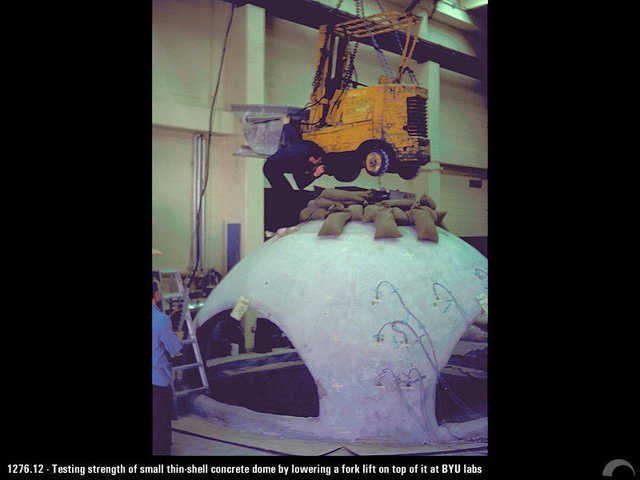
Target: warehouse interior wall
186, 49
463, 121
272, 61
171, 191
466, 206
172, 186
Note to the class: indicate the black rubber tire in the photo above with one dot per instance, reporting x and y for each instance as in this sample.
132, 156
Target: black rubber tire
348, 172
408, 171
376, 160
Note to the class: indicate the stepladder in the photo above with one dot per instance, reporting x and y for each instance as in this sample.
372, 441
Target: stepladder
190, 358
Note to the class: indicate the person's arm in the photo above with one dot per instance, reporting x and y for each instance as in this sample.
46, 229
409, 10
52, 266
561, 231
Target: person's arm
169, 339
306, 174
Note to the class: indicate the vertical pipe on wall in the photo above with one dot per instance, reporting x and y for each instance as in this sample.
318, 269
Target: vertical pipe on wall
199, 173
202, 179
196, 193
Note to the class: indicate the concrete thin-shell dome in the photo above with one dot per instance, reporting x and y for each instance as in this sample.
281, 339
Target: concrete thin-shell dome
361, 313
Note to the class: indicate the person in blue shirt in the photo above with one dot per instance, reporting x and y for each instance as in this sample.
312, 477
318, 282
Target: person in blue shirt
163, 343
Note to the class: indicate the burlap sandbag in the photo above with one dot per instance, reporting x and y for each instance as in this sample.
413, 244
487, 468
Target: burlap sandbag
401, 217
370, 212
334, 223
345, 195
386, 226
403, 203
313, 205
426, 200
319, 214
432, 212
440, 220
325, 202
425, 224
337, 207
306, 212
357, 212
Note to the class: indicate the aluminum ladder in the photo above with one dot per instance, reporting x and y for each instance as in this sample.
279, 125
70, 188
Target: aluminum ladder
185, 318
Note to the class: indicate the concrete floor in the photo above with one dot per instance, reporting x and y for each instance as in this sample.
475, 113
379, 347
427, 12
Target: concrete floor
187, 444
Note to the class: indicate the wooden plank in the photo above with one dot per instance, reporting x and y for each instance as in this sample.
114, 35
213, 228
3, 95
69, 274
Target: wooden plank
284, 446
465, 346
459, 371
262, 368
212, 362
341, 452
183, 444
467, 453
370, 449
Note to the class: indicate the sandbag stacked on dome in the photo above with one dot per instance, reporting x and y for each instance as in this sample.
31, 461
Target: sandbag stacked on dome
337, 207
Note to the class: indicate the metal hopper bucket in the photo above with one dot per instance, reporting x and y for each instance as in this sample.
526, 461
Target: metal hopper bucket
262, 126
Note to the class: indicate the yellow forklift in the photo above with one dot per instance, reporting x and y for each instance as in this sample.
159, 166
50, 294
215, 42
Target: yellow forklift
382, 128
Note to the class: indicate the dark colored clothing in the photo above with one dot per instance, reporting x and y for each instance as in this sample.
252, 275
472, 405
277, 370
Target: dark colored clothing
290, 136
162, 404
292, 157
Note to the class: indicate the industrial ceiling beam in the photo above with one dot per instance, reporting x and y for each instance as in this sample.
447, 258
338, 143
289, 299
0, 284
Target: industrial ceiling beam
450, 14
471, 4
313, 14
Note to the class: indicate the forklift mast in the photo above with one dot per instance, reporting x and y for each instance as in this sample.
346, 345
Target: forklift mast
330, 79
330, 69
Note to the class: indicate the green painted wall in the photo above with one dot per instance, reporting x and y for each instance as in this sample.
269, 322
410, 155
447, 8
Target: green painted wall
187, 40
171, 191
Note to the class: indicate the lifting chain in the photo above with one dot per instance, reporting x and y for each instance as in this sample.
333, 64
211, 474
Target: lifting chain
396, 35
352, 55
381, 57
337, 7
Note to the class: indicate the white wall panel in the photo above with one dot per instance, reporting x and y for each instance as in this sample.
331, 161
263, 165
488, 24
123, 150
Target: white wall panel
171, 191
463, 121
290, 62
466, 207
186, 43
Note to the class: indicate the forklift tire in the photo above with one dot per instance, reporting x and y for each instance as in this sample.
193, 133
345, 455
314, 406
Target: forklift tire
408, 171
376, 160
348, 172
